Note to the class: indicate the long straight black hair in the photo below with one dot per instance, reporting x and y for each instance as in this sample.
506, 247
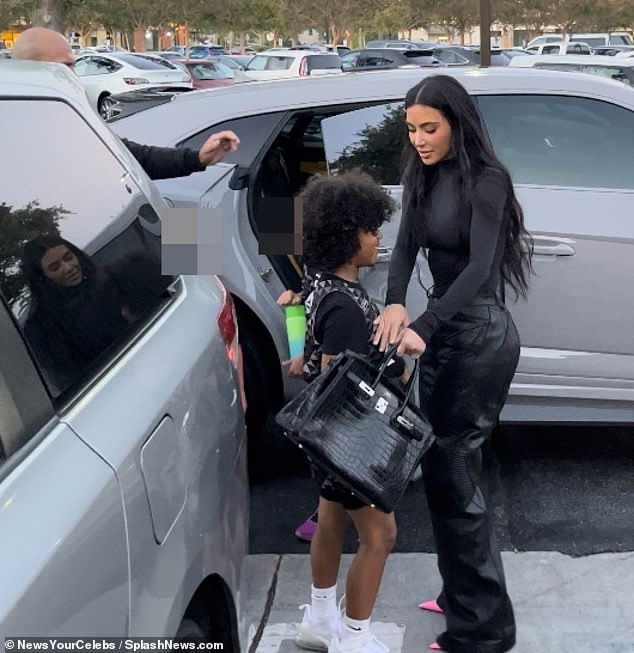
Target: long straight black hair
474, 154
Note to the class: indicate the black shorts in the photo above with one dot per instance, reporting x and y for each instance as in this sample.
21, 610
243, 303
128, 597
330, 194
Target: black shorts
330, 490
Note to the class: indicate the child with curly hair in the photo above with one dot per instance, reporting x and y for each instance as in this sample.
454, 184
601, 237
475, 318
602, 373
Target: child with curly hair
342, 216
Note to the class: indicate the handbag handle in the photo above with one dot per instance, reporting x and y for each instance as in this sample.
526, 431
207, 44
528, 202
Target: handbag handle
413, 379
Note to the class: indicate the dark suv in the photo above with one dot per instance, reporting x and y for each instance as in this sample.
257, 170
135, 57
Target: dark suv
382, 58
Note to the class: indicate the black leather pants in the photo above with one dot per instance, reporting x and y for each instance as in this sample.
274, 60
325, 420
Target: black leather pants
465, 376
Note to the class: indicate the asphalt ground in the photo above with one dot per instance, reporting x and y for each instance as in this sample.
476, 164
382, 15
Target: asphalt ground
566, 489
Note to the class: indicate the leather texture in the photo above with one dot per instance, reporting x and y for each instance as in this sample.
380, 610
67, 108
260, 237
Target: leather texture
360, 429
465, 376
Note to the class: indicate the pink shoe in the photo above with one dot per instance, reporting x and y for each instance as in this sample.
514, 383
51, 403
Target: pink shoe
431, 606
306, 530
435, 647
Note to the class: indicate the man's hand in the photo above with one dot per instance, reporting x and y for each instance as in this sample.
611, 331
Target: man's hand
217, 146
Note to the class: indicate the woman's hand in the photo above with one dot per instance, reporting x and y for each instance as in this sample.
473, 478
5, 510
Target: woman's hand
389, 325
411, 344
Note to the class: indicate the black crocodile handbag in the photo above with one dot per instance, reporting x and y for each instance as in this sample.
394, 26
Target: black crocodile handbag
360, 428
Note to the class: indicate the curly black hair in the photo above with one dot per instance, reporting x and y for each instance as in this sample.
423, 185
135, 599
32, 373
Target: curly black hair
334, 209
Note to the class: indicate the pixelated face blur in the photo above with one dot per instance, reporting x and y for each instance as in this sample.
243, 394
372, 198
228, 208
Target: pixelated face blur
429, 133
61, 266
368, 251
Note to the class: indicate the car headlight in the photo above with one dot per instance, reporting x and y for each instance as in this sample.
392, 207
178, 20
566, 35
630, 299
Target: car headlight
134, 81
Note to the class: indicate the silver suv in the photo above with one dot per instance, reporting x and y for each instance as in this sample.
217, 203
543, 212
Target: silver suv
567, 140
122, 443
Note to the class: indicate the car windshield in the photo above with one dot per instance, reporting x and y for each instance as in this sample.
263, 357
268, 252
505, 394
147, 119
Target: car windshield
211, 70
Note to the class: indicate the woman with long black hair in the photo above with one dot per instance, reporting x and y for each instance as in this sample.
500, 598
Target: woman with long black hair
459, 205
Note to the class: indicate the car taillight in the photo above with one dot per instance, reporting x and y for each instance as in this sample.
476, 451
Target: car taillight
303, 67
228, 326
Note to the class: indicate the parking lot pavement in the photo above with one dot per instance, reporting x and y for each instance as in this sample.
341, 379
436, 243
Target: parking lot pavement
563, 604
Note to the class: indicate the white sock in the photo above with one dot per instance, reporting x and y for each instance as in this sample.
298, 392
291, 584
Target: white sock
323, 602
354, 631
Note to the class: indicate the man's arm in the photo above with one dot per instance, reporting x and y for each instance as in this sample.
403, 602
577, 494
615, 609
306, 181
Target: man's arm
166, 162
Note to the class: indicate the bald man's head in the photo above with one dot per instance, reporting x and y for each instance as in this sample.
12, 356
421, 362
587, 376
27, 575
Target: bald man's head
41, 44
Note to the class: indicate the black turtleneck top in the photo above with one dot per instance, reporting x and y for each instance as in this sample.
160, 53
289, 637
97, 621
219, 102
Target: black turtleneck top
464, 244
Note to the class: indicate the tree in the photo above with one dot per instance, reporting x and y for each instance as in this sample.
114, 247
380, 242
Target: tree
378, 149
18, 227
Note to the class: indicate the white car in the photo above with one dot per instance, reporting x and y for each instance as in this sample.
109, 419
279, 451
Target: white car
619, 69
560, 47
104, 74
279, 63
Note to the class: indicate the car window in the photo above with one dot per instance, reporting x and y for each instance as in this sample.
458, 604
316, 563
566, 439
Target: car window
617, 73
370, 138
449, 56
550, 49
253, 132
96, 66
324, 62
80, 257
147, 63
25, 407
257, 63
206, 71
560, 140
577, 48
279, 63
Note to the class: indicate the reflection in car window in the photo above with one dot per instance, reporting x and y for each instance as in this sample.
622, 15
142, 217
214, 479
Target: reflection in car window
80, 261
370, 139
561, 141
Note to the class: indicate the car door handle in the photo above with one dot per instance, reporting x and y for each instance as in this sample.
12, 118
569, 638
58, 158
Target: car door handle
385, 254
554, 248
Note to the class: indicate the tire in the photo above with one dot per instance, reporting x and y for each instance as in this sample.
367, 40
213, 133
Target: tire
105, 105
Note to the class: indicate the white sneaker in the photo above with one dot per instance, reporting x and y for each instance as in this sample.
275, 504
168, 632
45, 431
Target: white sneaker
316, 635
368, 645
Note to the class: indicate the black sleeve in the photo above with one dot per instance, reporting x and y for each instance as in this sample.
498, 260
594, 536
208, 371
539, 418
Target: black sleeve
489, 199
165, 162
340, 325
403, 257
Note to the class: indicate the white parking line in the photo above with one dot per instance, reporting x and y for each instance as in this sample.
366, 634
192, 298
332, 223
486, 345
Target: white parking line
275, 635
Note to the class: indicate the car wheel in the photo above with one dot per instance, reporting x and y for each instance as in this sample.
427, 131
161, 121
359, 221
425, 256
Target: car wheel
105, 107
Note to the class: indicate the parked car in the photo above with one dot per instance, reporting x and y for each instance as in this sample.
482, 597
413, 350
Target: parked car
544, 39
204, 51
561, 47
385, 58
115, 107
596, 39
107, 74
577, 361
349, 60
613, 50
277, 64
401, 44
460, 55
122, 445
619, 69
209, 74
